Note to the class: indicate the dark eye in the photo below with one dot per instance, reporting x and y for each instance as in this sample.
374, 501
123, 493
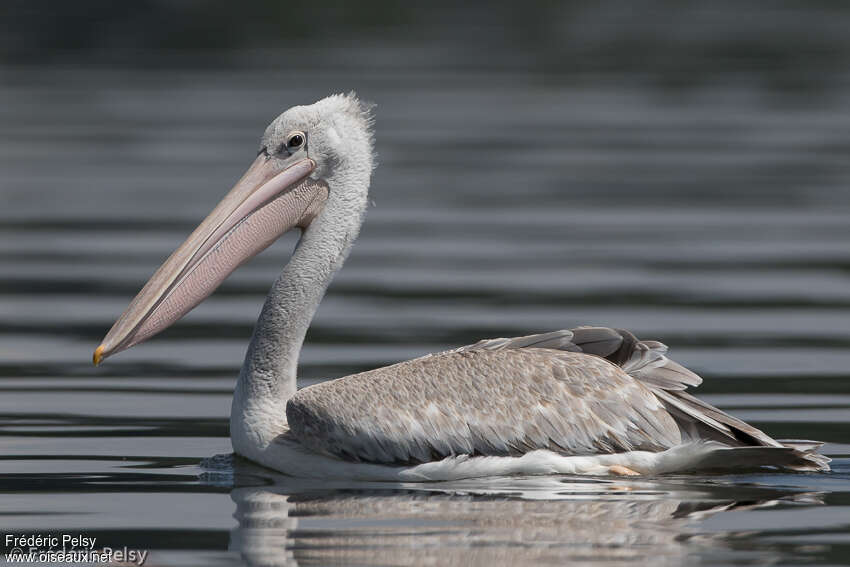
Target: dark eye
295, 141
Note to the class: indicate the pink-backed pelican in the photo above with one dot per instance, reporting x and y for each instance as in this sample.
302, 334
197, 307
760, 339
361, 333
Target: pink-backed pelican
591, 400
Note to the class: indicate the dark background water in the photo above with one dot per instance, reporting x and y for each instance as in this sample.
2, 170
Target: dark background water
678, 169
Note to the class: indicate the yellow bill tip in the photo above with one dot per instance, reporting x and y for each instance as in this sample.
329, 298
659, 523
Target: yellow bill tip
98, 355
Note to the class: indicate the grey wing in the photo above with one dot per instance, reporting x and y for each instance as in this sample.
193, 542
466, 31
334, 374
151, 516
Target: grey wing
647, 361
482, 401
509, 396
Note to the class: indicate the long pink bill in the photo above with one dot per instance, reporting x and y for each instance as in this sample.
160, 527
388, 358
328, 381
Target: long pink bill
271, 198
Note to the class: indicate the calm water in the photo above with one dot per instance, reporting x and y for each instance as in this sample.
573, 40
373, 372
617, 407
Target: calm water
716, 220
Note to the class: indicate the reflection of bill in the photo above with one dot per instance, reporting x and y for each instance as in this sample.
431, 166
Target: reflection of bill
522, 521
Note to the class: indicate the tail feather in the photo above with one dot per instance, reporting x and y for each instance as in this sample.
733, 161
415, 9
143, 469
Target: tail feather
744, 458
808, 451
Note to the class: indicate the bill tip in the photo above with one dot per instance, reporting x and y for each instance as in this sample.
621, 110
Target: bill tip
97, 358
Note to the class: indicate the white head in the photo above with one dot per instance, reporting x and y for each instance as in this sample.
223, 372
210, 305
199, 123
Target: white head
314, 161
335, 131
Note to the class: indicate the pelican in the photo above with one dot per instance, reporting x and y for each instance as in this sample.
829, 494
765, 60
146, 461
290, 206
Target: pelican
591, 400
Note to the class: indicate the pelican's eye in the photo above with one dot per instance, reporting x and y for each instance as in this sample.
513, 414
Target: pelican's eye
295, 141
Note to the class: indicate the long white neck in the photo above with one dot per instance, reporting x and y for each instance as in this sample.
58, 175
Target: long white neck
268, 376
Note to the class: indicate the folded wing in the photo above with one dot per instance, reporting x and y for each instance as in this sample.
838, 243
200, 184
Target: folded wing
582, 391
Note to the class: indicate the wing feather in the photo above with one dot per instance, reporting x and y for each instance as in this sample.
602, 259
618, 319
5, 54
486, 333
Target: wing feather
482, 401
579, 391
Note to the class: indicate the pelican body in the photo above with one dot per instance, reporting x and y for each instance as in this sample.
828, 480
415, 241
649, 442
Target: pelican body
591, 400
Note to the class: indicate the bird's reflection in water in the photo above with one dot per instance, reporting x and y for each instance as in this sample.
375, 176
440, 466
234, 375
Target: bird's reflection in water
519, 521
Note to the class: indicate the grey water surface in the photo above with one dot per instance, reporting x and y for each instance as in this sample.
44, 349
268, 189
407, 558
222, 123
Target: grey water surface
715, 219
